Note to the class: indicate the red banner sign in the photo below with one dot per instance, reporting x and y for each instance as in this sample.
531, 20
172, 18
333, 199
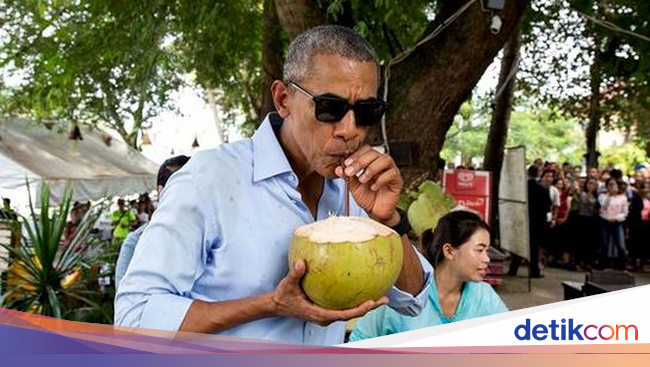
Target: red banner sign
470, 189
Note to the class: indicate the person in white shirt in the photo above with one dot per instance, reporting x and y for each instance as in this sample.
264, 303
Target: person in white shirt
547, 182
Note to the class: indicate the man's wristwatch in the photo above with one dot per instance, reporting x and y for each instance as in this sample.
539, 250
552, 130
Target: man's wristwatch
403, 226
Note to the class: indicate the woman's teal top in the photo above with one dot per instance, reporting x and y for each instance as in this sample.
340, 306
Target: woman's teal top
476, 300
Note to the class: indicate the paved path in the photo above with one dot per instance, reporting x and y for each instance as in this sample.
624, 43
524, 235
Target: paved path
514, 290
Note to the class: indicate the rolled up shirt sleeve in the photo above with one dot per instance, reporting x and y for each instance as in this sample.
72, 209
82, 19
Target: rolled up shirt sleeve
406, 303
170, 256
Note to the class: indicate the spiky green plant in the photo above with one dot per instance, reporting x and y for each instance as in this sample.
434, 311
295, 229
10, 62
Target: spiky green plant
42, 269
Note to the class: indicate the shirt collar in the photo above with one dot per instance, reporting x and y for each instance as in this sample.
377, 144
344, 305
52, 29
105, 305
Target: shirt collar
268, 157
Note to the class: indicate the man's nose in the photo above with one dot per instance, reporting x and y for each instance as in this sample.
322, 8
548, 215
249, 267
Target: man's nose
347, 127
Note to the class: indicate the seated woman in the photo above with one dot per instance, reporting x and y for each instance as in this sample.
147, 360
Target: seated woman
458, 251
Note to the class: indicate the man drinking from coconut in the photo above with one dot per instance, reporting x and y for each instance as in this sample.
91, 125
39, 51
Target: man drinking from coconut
214, 256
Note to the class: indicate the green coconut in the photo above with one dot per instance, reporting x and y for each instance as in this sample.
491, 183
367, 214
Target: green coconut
349, 260
431, 204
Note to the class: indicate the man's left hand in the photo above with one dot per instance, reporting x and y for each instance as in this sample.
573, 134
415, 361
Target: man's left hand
378, 188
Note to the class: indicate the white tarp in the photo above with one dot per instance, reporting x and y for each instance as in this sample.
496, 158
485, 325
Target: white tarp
97, 166
513, 203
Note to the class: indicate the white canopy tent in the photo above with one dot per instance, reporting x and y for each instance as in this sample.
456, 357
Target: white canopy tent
97, 166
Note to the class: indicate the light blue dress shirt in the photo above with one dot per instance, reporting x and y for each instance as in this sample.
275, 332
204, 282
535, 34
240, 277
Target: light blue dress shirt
477, 299
126, 254
221, 232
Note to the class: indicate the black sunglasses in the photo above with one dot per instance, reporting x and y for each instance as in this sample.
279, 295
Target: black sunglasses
331, 109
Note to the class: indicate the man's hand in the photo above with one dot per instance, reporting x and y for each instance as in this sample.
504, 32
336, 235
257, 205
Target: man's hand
378, 188
290, 300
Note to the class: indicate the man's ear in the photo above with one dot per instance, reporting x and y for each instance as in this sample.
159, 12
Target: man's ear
279, 92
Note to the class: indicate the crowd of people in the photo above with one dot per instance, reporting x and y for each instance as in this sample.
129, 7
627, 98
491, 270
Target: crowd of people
599, 219
129, 216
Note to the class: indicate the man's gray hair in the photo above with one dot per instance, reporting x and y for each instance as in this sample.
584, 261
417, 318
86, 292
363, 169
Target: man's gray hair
325, 40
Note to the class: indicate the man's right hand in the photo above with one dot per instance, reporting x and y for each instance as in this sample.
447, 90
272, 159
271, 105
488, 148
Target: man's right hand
290, 300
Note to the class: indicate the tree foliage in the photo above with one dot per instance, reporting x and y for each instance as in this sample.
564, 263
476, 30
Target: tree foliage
116, 64
96, 63
545, 133
624, 157
563, 42
220, 43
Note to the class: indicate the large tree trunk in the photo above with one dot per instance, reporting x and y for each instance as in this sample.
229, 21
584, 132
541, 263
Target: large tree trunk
296, 16
496, 140
428, 87
595, 75
272, 59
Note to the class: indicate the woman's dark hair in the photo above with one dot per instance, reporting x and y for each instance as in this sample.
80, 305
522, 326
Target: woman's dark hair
585, 187
618, 185
454, 228
644, 184
549, 170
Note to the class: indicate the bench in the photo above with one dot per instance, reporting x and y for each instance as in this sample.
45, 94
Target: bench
597, 282
572, 289
603, 281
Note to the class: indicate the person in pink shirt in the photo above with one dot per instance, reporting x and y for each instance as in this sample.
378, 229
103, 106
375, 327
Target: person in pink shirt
613, 212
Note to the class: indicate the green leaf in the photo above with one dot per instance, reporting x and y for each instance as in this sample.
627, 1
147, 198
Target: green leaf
54, 302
